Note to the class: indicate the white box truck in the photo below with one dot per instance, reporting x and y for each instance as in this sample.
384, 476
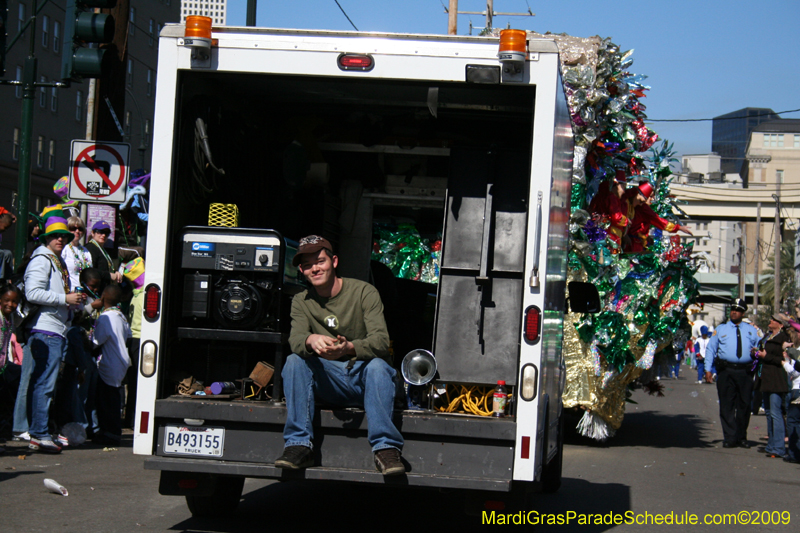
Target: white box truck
313, 132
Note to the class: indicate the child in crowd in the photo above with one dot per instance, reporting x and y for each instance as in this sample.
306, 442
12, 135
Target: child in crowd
111, 333
79, 402
134, 275
9, 364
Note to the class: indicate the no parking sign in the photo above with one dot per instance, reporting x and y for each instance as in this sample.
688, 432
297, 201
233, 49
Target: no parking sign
98, 171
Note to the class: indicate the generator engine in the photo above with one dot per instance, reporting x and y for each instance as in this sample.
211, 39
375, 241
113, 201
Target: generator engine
234, 279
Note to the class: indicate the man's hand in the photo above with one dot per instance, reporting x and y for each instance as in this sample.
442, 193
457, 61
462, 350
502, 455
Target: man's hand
709, 377
328, 347
685, 229
761, 354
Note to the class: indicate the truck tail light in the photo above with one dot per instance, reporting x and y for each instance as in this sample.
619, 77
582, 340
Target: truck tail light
533, 324
152, 302
149, 358
361, 62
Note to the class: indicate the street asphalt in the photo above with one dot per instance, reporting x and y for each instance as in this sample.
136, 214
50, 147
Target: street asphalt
666, 460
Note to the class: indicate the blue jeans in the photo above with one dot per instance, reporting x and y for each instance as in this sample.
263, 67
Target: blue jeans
369, 384
41, 360
793, 427
701, 370
22, 412
775, 427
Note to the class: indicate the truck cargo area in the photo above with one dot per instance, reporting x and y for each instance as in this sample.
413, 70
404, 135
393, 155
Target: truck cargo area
311, 155
342, 158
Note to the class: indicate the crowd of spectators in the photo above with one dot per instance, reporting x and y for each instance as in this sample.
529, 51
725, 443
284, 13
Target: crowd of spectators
66, 341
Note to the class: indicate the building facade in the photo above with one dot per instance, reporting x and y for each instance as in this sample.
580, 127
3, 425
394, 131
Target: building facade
64, 114
215, 9
731, 132
773, 154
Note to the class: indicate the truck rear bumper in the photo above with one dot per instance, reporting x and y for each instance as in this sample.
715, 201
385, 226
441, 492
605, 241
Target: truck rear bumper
319, 473
440, 450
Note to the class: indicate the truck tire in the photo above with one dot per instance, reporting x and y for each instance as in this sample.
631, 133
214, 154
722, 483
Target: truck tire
223, 501
551, 472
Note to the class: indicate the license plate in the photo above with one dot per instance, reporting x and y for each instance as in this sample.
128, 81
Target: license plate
206, 442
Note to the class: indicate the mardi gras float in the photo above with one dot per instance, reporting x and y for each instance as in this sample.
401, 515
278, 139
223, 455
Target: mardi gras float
641, 269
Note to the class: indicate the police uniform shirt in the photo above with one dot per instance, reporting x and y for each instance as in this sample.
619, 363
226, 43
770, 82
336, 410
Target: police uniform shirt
725, 344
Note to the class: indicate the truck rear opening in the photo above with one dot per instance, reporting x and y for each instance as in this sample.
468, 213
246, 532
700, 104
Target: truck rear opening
305, 146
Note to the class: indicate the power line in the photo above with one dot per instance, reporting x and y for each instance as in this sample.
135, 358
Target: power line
345, 14
720, 118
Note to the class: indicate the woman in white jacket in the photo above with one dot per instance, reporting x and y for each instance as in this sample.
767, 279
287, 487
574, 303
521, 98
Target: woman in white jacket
47, 285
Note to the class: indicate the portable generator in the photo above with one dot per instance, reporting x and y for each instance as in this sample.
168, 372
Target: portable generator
234, 280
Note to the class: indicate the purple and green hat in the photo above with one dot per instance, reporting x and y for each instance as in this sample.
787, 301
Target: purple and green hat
54, 222
134, 272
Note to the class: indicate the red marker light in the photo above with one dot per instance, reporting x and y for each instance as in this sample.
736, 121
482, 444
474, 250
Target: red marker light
360, 62
152, 302
532, 324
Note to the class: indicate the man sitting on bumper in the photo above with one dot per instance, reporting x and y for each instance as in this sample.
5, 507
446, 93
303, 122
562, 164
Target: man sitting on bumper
341, 354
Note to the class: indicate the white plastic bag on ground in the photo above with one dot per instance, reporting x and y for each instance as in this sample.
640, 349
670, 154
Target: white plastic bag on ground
75, 433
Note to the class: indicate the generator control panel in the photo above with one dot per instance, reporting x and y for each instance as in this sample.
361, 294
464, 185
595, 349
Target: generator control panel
232, 252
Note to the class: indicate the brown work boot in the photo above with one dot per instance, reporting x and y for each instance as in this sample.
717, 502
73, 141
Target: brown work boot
389, 462
295, 458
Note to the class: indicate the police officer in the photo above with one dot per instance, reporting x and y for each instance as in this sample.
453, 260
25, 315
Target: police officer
733, 347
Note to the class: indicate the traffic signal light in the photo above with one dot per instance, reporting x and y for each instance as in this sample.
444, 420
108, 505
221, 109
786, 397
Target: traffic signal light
84, 26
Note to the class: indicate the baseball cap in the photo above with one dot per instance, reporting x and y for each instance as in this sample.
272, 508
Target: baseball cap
311, 245
704, 330
101, 225
739, 305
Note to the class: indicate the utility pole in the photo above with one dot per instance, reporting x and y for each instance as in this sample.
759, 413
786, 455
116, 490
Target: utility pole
776, 305
452, 18
251, 13
758, 259
111, 85
743, 264
452, 11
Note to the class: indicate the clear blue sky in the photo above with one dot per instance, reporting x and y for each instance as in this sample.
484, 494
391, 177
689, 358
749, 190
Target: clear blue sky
703, 58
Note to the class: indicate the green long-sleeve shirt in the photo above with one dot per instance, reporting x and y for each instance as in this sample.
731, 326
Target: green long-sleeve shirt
356, 313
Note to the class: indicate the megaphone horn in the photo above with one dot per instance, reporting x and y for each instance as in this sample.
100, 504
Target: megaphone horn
419, 367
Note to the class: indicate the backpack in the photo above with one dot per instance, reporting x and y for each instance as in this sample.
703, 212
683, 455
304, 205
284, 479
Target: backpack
26, 311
